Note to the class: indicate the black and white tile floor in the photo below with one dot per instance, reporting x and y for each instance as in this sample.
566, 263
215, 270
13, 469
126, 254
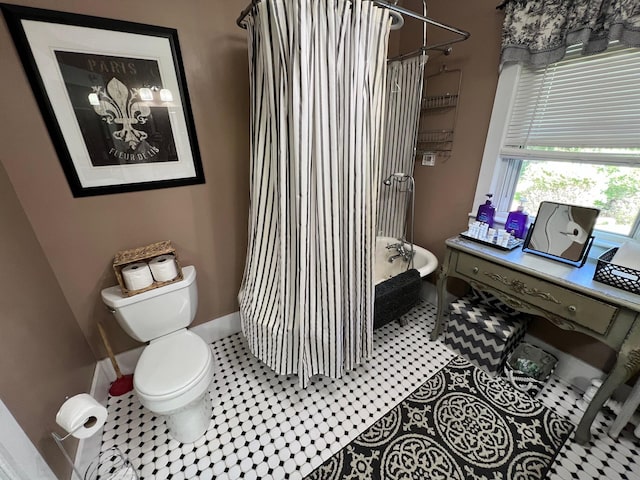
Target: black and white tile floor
603, 457
266, 427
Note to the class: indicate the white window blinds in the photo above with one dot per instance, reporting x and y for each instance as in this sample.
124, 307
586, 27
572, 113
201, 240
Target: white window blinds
581, 104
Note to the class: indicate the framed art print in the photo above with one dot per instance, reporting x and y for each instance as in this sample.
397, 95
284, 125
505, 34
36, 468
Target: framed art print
114, 98
561, 231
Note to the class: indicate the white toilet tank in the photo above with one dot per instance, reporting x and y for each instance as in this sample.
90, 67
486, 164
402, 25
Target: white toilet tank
156, 312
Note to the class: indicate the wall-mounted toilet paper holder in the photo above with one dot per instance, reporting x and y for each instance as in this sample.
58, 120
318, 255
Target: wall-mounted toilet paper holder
93, 470
58, 439
81, 416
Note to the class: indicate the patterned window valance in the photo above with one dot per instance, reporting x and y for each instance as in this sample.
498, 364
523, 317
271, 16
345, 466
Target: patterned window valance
537, 32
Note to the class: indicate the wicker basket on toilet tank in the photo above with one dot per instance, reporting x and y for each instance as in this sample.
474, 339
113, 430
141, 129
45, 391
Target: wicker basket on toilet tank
146, 253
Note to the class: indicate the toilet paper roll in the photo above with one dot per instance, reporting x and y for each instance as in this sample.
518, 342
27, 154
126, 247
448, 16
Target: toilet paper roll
164, 268
81, 416
137, 276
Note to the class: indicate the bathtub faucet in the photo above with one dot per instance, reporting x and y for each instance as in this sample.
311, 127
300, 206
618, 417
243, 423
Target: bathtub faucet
403, 253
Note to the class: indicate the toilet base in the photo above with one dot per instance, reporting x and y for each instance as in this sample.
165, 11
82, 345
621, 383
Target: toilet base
191, 422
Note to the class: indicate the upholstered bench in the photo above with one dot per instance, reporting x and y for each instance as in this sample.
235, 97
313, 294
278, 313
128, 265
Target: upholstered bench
483, 331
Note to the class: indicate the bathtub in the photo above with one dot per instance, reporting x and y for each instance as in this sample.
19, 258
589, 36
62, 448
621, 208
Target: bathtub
424, 261
395, 294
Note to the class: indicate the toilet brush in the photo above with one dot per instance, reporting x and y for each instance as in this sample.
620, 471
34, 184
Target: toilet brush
123, 383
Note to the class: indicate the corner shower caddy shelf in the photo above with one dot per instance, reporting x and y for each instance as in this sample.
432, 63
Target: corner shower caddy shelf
439, 101
439, 141
434, 142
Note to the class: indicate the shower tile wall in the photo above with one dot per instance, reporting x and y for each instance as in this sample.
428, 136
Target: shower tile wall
266, 427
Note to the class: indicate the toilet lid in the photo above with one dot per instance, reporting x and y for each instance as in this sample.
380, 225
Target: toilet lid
172, 364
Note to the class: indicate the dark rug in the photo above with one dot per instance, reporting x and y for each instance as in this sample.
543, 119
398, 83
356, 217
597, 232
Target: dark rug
460, 424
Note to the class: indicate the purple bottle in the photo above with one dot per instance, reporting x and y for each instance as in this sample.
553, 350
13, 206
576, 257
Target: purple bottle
517, 222
486, 212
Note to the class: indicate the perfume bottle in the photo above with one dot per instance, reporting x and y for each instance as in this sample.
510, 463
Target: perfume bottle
486, 212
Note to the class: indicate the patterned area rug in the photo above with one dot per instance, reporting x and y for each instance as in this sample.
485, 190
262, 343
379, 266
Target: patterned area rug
460, 424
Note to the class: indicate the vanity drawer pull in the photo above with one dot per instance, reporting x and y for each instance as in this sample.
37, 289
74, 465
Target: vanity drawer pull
476, 269
572, 308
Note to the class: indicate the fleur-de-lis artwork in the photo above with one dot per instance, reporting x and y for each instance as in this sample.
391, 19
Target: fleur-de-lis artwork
119, 125
119, 105
113, 95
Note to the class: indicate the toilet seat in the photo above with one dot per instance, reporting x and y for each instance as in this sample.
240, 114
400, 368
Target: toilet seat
173, 371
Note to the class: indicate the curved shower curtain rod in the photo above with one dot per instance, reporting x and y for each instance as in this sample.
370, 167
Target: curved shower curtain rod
395, 8
444, 47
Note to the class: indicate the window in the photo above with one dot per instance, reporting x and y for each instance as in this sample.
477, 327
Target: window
570, 133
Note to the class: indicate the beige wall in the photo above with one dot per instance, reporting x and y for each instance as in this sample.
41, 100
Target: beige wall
444, 193
43, 354
206, 223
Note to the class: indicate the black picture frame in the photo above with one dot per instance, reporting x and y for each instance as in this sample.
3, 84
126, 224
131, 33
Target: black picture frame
114, 97
562, 232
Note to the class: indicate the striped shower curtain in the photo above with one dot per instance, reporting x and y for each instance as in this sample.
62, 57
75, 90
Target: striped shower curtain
318, 79
404, 94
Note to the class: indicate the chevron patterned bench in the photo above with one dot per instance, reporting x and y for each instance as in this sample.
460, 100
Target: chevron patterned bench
482, 334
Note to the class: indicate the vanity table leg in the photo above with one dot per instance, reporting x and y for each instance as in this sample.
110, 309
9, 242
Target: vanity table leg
627, 411
627, 364
442, 296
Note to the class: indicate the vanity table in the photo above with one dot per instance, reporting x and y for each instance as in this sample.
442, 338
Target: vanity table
565, 295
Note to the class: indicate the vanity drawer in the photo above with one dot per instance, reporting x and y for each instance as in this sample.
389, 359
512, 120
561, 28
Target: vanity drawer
568, 304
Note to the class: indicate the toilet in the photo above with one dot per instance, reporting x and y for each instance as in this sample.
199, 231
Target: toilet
174, 372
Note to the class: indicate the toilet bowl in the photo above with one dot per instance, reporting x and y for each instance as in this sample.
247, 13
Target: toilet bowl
174, 372
172, 377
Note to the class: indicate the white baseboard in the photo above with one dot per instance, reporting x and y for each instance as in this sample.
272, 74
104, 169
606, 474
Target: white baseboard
219, 328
